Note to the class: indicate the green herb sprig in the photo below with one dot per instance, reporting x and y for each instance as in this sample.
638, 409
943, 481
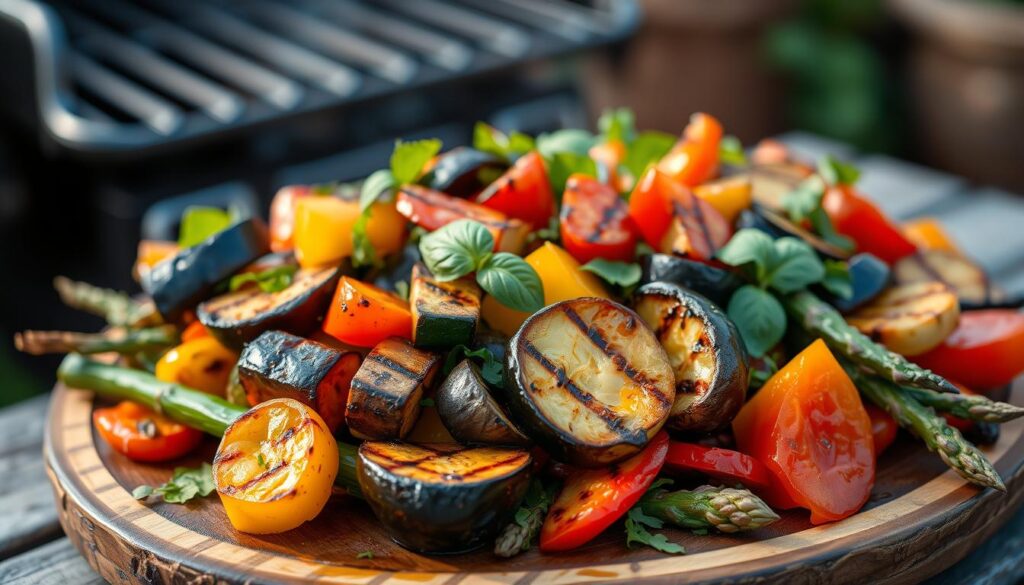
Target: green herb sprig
491, 369
184, 485
271, 280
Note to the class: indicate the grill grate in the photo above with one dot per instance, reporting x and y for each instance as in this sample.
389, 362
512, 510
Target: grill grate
153, 72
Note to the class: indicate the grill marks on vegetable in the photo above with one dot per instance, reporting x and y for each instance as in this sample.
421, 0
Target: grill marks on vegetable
965, 278
443, 313
443, 463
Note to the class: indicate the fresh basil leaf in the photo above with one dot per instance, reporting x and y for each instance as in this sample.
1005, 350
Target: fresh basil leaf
636, 533
487, 138
750, 246
270, 280
562, 165
378, 183
618, 124
624, 274
797, 265
456, 249
759, 317
730, 151
519, 144
837, 172
363, 252
647, 148
837, 279
408, 159
513, 282
568, 140
199, 222
183, 486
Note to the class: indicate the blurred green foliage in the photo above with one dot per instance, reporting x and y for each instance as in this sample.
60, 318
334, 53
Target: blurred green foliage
841, 83
16, 384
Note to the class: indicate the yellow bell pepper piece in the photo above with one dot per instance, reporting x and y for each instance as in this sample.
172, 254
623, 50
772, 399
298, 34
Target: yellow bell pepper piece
323, 229
927, 233
203, 364
562, 279
729, 196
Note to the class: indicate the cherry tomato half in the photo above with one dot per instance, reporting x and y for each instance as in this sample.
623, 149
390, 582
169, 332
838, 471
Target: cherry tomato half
857, 218
725, 465
143, 435
595, 221
986, 350
523, 192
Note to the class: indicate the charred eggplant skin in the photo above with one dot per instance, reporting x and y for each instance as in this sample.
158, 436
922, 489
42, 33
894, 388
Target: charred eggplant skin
441, 517
471, 414
182, 282
714, 283
299, 314
457, 172
720, 398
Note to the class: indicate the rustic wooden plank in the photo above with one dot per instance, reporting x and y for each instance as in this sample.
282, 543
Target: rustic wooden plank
30, 517
989, 227
906, 190
54, 563
1000, 560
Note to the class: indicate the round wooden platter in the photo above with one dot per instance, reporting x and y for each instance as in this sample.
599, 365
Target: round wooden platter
921, 519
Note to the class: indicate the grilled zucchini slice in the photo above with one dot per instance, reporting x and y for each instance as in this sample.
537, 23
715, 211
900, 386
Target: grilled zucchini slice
281, 365
438, 498
706, 353
588, 381
471, 414
964, 277
180, 283
909, 319
444, 314
238, 317
384, 401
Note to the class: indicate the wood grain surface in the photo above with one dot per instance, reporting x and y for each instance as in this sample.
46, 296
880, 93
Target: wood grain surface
921, 519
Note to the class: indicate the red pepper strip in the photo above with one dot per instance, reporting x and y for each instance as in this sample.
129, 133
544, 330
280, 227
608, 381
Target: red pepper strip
593, 499
857, 218
883, 428
723, 464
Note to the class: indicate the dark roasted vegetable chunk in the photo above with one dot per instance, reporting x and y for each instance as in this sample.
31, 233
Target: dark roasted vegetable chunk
444, 314
471, 414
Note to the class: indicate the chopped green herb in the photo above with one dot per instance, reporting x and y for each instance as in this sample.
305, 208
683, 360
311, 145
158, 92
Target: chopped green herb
491, 369
637, 524
183, 486
270, 280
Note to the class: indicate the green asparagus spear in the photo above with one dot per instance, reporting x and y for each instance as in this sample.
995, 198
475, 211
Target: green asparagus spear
196, 409
977, 408
958, 453
821, 320
728, 510
117, 340
118, 308
522, 532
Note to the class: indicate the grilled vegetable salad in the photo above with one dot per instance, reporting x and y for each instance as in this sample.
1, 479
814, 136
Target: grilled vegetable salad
529, 339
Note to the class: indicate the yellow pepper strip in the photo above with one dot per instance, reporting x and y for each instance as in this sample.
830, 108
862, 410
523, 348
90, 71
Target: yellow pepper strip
202, 363
323, 229
729, 196
927, 233
562, 279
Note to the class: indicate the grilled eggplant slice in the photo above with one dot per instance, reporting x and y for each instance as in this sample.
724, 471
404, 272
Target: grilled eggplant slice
182, 282
471, 414
238, 317
777, 225
280, 365
714, 283
444, 314
588, 381
964, 277
706, 352
463, 171
869, 276
442, 498
910, 319
384, 401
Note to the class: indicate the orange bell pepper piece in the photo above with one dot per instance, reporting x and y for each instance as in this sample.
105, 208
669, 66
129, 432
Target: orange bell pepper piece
694, 158
364, 315
928, 234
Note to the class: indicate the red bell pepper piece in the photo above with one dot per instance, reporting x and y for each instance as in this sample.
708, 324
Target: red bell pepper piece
694, 158
595, 221
592, 499
986, 350
432, 210
857, 218
363, 315
142, 434
725, 465
883, 428
523, 192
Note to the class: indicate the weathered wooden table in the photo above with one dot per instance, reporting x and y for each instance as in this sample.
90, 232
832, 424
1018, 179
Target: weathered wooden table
986, 222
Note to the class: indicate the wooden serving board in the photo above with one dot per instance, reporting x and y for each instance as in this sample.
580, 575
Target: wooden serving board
921, 519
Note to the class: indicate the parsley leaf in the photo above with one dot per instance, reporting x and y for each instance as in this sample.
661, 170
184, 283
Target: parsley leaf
491, 370
730, 151
270, 280
636, 532
647, 148
837, 172
199, 222
409, 158
624, 274
618, 124
183, 486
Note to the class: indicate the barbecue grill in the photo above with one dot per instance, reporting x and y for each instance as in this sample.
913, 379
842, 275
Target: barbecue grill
138, 109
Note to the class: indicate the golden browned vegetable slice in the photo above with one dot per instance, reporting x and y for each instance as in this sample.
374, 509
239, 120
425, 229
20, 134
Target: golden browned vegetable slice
909, 319
589, 381
966, 278
706, 353
384, 400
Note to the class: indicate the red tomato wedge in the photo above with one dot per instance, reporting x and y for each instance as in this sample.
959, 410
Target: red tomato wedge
595, 221
808, 427
694, 158
986, 350
593, 499
650, 205
883, 428
143, 435
725, 465
432, 209
523, 192
857, 218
